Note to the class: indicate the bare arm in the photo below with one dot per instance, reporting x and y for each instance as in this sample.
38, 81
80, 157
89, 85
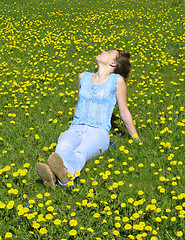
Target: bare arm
121, 94
79, 79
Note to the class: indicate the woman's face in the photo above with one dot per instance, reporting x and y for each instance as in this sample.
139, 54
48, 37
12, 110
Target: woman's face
107, 57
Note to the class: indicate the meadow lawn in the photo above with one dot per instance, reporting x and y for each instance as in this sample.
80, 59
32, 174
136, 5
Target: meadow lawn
133, 191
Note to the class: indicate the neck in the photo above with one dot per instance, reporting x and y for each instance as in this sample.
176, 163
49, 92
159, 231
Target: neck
103, 73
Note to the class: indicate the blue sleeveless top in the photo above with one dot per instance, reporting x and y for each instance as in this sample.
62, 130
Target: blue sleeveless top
96, 102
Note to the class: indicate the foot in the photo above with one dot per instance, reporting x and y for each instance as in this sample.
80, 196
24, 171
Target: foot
46, 175
56, 165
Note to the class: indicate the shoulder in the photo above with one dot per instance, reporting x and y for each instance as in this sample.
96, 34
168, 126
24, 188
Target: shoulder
84, 74
121, 88
82, 77
121, 82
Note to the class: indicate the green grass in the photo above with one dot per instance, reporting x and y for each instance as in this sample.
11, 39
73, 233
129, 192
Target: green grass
44, 45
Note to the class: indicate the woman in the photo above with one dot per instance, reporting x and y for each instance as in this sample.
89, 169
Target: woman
88, 134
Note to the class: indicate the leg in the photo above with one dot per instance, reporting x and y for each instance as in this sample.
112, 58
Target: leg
94, 142
67, 143
75, 147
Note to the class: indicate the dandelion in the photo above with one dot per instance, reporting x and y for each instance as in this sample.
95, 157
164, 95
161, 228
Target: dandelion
122, 148
2, 205
73, 222
8, 235
35, 225
113, 196
117, 225
26, 165
140, 192
158, 219
46, 194
179, 234
125, 219
148, 228
123, 205
70, 176
39, 196
90, 230
10, 205
94, 183
96, 215
45, 149
173, 219
77, 173
140, 165
128, 226
49, 216
50, 208
82, 180
37, 136
130, 200
57, 222
43, 231
116, 233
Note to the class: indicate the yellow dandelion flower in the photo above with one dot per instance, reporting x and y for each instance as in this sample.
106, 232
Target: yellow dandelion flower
90, 230
116, 233
123, 205
126, 151
148, 228
39, 196
35, 225
72, 232
45, 149
49, 216
77, 173
2, 205
113, 196
125, 219
96, 215
179, 234
50, 208
73, 222
153, 238
43, 231
117, 225
26, 165
140, 192
122, 148
10, 205
8, 235
128, 226
57, 222
130, 200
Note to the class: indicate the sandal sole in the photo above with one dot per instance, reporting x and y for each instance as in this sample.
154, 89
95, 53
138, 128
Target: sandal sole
56, 165
46, 175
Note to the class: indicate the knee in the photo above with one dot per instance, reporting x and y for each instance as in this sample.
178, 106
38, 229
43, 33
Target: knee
64, 146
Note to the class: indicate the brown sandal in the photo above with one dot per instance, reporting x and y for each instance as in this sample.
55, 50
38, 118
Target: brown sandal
46, 175
56, 165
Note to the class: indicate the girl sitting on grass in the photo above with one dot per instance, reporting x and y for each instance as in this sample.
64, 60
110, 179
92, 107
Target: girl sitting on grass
88, 134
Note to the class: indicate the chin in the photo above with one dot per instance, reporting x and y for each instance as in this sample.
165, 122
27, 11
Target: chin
96, 58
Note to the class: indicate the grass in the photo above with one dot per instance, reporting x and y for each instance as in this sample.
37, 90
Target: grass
135, 191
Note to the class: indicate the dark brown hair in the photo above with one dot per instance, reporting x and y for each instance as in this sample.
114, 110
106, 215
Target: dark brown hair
123, 66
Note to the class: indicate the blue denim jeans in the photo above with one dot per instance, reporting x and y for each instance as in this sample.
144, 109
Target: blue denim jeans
80, 143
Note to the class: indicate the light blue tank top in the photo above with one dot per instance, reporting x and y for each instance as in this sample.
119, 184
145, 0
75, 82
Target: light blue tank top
96, 102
